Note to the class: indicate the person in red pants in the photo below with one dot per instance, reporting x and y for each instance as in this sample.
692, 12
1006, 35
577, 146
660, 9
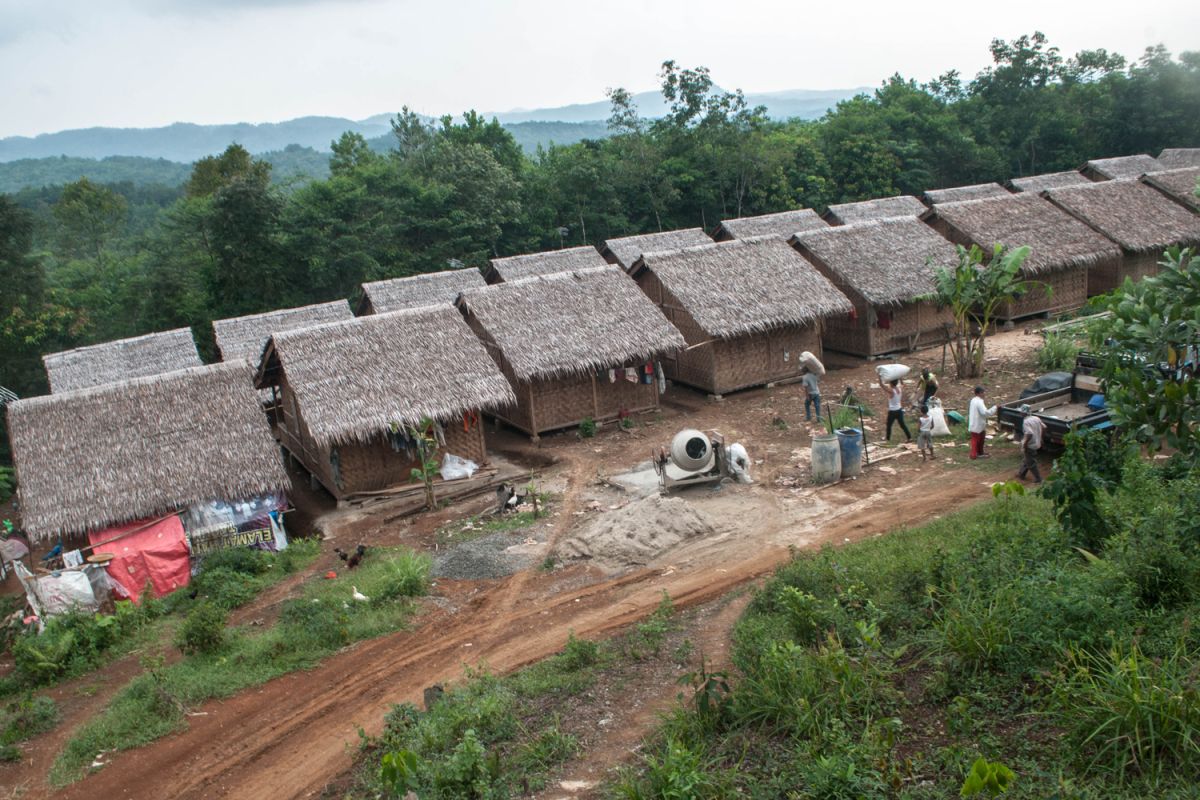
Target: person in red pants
977, 423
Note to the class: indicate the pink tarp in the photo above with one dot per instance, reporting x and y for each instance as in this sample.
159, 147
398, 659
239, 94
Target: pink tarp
156, 554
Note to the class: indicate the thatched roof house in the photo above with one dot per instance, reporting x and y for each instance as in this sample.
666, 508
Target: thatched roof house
1179, 157
93, 458
1048, 180
1063, 249
747, 309
416, 291
1120, 168
628, 249
245, 337
515, 268
885, 267
882, 208
976, 191
1143, 221
348, 388
565, 341
1178, 184
141, 356
782, 224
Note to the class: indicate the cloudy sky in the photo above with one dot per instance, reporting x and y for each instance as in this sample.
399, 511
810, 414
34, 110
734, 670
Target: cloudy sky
138, 63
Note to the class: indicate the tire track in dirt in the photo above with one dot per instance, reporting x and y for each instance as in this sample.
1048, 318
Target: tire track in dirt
291, 736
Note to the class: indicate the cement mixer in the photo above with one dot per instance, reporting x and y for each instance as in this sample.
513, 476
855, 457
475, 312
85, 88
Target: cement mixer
696, 458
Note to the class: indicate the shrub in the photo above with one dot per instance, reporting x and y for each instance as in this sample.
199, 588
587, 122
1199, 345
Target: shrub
579, 653
587, 428
297, 554
247, 560
1128, 715
1057, 353
976, 629
203, 630
221, 586
405, 574
8, 483
677, 773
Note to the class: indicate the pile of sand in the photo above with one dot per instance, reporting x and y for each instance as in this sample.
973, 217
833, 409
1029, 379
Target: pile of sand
633, 535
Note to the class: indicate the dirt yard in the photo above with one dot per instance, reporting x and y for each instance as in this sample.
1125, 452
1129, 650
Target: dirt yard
296, 735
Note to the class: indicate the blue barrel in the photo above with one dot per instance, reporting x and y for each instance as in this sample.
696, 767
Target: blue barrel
826, 458
850, 444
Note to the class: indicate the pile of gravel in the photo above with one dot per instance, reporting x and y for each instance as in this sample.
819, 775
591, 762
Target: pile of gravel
493, 556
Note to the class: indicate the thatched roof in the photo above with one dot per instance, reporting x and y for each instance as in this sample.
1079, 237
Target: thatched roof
1179, 157
245, 337
571, 322
1178, 183
124, 451
98, 364
1134, 215
516, 268
976, 191
745, 286
887, 261
782, 224
626, 250
1056, 239
1122, 167
864, 210
427, 289
1048, 180
352, 380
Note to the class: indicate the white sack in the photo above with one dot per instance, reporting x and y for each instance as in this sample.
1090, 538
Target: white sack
455, 467
739, 462
812, 363
892, 372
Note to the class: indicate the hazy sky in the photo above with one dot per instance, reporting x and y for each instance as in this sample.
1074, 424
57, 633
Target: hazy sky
138, 63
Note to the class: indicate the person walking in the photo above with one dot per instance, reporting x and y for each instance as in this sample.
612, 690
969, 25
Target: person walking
928, 386
895, 407
1031, 442
977, 415
812, 395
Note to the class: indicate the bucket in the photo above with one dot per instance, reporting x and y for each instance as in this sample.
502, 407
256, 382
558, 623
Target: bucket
850, 444
826, 458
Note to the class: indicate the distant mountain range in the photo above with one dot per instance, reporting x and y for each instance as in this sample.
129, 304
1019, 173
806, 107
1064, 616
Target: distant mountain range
183, 142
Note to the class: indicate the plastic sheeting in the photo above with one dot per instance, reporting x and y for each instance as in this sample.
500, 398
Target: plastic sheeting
456, 467
154, 553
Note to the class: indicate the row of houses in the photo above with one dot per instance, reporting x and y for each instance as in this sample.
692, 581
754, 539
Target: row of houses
543, 341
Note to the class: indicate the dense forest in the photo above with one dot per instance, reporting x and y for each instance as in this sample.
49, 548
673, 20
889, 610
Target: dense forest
87, 262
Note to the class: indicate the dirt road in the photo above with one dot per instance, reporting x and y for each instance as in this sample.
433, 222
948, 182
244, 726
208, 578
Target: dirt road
293, 735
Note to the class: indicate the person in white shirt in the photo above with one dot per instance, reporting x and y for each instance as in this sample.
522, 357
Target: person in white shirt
1031, 442
977, 423
895, 407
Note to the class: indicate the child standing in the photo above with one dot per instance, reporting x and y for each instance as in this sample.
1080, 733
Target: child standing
925, 435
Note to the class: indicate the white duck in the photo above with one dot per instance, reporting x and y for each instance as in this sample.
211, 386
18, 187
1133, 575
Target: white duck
359, 596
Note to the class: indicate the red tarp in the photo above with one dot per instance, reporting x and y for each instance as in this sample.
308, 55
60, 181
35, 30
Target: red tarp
156, 554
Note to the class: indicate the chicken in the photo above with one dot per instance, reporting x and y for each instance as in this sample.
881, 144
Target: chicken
509, 500
359, 596
356, 557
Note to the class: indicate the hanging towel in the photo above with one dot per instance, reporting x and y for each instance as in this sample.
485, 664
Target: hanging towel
612, 376
72, 558
662, 379
631, 375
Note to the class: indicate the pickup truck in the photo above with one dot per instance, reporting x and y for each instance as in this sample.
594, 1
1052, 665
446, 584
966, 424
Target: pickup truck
1062, 410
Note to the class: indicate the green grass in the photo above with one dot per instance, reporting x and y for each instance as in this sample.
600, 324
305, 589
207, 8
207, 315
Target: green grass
887, 668
77, 643
23, 719
323, 619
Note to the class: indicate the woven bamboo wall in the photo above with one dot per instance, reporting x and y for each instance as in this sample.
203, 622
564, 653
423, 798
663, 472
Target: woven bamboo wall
724, 365
916, 324
371, 466
1105, 277
843, 333
1069, 288
695, 365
